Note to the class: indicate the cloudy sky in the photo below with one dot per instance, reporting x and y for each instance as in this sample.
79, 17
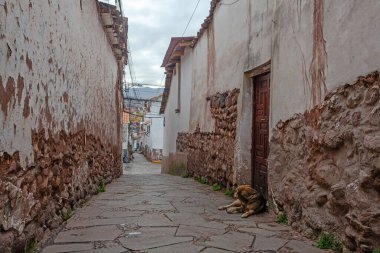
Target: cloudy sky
151, 25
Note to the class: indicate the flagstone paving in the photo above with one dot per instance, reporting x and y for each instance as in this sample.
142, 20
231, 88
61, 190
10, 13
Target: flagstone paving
150, 212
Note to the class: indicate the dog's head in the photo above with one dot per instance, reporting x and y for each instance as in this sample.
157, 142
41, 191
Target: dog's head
242, 190
246, 193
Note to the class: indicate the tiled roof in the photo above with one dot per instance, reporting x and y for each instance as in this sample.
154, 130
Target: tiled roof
176, 49
173, 55
116, 28
206, 22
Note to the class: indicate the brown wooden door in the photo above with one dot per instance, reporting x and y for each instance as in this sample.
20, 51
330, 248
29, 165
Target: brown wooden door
260, 133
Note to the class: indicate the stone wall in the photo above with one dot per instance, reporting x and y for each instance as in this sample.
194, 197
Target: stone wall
68, 169
152, 154
324, 166
60, 122
211, 154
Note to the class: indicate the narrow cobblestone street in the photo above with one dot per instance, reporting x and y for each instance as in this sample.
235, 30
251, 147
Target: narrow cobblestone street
150, 212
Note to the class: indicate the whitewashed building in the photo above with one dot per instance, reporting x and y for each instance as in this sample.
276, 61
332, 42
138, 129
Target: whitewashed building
152, 140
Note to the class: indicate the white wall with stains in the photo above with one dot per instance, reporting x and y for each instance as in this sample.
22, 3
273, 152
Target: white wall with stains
351, 31
57, 72
199, 109
154, 139
178, 121
171, 118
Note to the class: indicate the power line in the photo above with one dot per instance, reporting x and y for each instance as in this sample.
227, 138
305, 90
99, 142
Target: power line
149, 117
145, 84
150, 91
163, 76
192, 15
230, 3
158, 90
137, 99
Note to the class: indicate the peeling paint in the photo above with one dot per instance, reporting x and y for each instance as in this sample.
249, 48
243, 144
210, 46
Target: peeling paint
20, 88
7, 94
29, 63
39, 95
211, 54
6, 8
26, 110
9, 52
65, 97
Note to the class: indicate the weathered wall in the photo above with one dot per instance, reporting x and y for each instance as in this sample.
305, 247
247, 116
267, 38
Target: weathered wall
171, 118
185, 91
325, 166
177, 122
199, 108
59, 92
211, 154
315, 49
301, 38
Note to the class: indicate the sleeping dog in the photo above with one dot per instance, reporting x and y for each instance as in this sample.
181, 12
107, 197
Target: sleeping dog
248, 201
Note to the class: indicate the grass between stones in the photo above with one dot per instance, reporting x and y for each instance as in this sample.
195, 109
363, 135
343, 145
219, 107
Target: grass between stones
229, 192
100, 188
329, 241
68, 215
216, 187
201, 180
31, 246
282, 219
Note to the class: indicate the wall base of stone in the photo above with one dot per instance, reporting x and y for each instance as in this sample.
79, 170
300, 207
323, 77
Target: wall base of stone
324, 166
67, 170
175, 164
153, 155
211, 154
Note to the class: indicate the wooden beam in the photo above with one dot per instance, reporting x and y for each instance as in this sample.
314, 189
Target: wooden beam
259, 70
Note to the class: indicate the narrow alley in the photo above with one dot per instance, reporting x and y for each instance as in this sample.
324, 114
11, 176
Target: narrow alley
274, 102
143, 211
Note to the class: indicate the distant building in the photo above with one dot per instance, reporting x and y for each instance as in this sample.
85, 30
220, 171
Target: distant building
125, 136
152, 140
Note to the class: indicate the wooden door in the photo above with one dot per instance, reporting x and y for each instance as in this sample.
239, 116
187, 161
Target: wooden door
260, 133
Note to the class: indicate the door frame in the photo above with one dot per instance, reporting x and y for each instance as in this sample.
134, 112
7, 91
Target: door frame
253, 74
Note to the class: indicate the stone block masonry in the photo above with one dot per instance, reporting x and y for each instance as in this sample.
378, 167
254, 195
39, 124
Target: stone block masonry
324, 166
211, 154
67, 170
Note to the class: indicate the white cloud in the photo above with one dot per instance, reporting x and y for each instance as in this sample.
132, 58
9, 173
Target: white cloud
151, 25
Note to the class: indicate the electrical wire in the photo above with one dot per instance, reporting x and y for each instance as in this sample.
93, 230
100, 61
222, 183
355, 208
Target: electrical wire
149, 117
192, 15
230, 3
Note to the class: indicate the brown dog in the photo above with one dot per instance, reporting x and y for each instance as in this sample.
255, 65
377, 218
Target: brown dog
248, 202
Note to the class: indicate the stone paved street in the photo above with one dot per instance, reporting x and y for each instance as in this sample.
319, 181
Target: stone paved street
163, 213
